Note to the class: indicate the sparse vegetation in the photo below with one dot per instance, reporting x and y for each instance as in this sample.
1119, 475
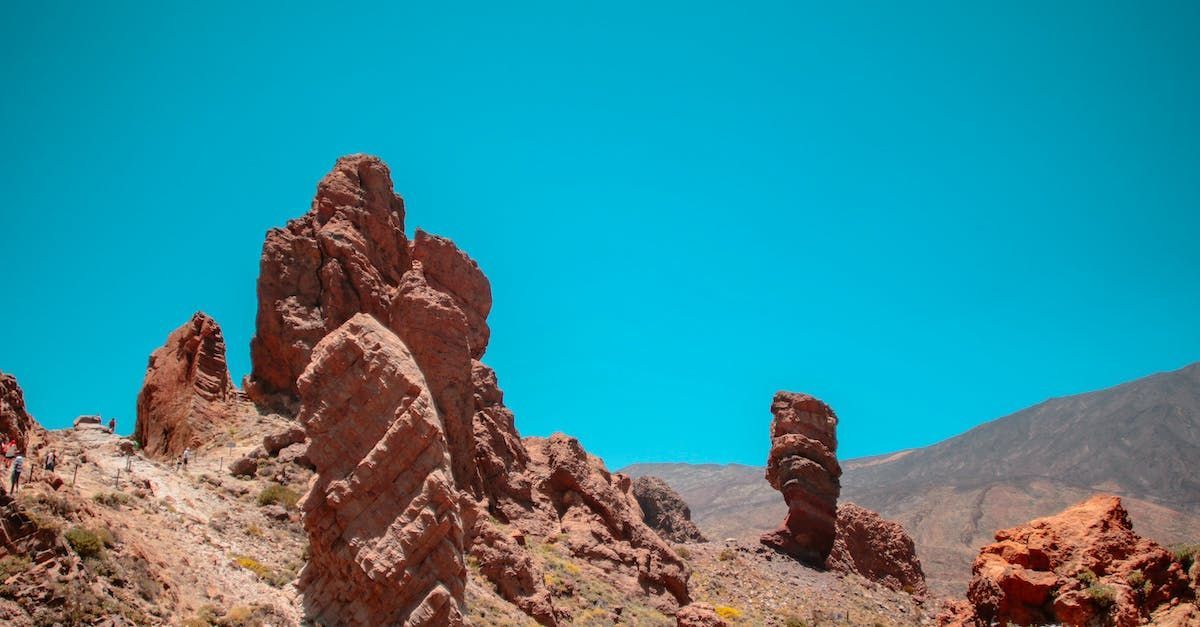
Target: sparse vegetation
254, 530
1103, 596
728, 612
1136, 579
263, 571
85, 542
726, 555
794, 621
1186, 554
683, 552
278, 494
13, 564
1086, 577
113, 500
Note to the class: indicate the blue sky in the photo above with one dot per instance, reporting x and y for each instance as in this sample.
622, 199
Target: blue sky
927, 214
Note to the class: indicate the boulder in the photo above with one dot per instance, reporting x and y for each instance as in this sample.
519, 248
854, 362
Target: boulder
1077, 567
186, 396
296, 454
85, 421
664, 511
382, 513
15, 421
803, 466
877, 549
276, 442
246, 466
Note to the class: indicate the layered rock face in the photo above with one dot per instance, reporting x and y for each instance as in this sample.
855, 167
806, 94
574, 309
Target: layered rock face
803, 466
344, 281
877, 549
15, 421
349, 255
1082, 566
382, 513
187, 390
664, 511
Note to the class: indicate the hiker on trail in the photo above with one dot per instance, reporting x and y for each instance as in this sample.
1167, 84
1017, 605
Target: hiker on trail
18, 463
51, 460
187, 455
112, 425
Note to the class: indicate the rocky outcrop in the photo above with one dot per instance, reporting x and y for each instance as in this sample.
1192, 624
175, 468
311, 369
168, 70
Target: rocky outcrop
598, 515
15, 421
803, 466
1082, 566
382, 513
877, 549
348, 261
664, 511
185, 397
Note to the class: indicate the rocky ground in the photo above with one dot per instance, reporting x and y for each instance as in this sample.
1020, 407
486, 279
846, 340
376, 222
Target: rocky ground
192, 546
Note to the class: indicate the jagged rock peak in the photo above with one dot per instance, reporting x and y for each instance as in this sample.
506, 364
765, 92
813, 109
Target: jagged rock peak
15, 421
186, 395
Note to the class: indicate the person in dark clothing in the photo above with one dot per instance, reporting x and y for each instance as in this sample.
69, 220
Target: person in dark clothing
112, 425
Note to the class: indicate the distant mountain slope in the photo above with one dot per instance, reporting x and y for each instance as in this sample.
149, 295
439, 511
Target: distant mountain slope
1140, 440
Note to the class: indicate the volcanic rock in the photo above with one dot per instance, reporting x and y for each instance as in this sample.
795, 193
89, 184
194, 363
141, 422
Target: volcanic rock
664, 511
15, 421
382, 513
877, 549
276, 442
602, 523
1082, 565
803, 466
187, 391
345, 256
84, 421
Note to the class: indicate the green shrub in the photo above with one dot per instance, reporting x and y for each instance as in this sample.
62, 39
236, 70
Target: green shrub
1135, 579
276, 493
1103, 596
1185, 554
112, 500
263, 571
792, 621
726, 555
683, 552
13, 564
85, 542
1087, 577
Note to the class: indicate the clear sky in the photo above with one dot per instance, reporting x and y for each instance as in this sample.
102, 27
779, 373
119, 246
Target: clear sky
927, 214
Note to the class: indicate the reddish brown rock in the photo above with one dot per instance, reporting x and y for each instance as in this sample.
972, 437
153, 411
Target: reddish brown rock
803, 466
664, 511
15, 421
599, 516
382, 513
1080, 566
877, 549
345, 256
504, 561
276, 442
185, 397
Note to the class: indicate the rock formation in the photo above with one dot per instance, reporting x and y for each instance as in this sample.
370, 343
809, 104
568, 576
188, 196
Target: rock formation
664, 511
803, 466
382, 514
186, 394
877, 549
348, 261
699, 615
15, 421
1080, 566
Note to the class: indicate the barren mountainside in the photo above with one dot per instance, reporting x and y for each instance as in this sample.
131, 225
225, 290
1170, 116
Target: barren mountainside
1139, 440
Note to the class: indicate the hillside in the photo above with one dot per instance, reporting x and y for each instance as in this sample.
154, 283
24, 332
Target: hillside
1140, 440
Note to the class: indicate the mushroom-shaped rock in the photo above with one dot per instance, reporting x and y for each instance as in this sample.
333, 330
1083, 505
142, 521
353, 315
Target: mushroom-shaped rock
803, 466
186, 396
382, 513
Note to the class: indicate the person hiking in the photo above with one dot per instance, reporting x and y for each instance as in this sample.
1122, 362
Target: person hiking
18, 463
112, 425
51, 460
187, 455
